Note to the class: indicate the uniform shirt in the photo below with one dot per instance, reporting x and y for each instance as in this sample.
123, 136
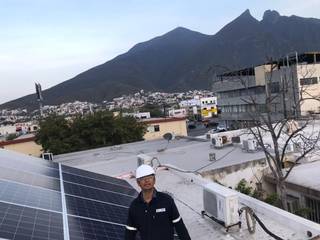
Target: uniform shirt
155, 220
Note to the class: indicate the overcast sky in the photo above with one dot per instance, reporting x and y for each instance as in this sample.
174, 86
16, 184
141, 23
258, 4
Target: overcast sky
50, 41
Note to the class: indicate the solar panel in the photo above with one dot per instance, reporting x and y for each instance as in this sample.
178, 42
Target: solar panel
30, 196
96, 210
43, 200
87, 229
18, 222
11, 156
29, 167
99, 184
95, 176
29, 178
96, 194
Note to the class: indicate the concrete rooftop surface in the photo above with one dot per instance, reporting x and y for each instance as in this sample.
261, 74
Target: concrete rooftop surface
183, 153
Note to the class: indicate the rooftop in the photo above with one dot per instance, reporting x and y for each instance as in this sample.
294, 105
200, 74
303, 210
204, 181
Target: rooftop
187, 154
187, 188
306, 175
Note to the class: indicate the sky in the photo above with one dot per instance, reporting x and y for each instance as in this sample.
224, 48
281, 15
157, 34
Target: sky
51, 41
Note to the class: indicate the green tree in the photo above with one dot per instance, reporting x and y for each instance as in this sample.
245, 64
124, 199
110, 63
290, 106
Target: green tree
11, 136
155, 110
243, 187
58, 135
53, 133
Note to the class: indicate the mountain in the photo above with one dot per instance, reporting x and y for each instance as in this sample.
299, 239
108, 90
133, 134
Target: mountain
183, 59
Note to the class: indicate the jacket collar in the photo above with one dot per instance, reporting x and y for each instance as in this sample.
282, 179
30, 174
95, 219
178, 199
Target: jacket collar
154, 195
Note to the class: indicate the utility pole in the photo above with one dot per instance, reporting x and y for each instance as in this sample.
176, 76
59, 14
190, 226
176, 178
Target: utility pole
39, 98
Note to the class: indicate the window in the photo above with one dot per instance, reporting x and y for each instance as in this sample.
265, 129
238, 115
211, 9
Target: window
313, 205
156, 128
293, 203
308, 81
150, 129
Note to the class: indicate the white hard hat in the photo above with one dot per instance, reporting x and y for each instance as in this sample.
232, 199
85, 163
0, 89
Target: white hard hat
144, 170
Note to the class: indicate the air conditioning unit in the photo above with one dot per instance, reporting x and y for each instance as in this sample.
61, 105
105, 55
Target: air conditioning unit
249, 145
290, 147
144, 159
47, 156
252, 145
221, 203
218, 142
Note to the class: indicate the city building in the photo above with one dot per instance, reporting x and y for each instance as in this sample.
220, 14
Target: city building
157, 127
291, 85
24, 144
208, 107
178, 113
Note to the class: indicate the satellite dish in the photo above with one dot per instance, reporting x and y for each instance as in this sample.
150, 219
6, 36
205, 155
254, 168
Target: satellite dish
168, 136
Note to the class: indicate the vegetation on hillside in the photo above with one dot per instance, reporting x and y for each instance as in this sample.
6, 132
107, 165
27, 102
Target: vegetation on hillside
58, 135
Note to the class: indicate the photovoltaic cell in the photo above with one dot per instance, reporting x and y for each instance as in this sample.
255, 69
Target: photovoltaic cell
29, 178
96, 194
85, 229
19, 223
30, 196
95, 176
99, 184
97, 210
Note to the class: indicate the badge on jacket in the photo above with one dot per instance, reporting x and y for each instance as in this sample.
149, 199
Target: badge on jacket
159, 210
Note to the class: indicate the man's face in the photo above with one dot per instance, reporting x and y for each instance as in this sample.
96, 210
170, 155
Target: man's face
147, 182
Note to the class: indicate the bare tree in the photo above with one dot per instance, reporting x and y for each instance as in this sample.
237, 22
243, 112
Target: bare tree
275, 124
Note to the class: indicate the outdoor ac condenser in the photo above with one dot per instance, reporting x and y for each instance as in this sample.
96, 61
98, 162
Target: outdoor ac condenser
221, 203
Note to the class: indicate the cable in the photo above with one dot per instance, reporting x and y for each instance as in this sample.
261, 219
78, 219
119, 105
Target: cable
190, 171
249, 219
197, 170
250, 213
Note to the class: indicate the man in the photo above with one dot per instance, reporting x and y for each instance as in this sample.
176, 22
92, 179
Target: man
153, 214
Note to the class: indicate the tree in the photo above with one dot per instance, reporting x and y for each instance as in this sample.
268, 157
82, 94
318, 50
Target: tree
57, 135
155, 110
53, 134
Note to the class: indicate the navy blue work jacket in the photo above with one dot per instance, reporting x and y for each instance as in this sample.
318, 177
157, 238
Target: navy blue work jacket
155, 220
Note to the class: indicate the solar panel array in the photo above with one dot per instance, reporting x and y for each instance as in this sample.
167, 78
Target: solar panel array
45, 200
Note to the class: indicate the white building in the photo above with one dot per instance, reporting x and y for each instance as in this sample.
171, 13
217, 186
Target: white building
179, 113
208, 107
